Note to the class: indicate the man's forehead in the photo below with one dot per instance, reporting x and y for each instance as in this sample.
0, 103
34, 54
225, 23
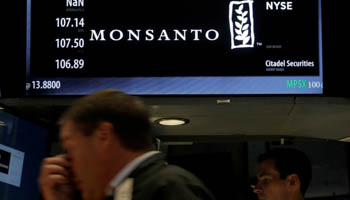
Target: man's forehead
265, 172
66, 130
267, 167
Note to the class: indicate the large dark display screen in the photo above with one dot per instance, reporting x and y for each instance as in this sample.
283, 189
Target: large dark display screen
156, 47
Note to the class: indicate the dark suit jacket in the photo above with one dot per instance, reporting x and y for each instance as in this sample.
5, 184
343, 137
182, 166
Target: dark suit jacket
154, 179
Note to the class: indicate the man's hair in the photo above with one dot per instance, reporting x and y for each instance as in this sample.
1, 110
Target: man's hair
128, 114
290, 161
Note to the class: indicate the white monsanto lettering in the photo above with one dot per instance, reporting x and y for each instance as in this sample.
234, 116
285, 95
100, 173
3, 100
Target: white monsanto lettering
163, 36
158, 35
279, 5
100, 36
214, 32
74, 3
114, 35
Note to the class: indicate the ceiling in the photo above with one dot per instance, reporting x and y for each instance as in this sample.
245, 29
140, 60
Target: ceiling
311, 117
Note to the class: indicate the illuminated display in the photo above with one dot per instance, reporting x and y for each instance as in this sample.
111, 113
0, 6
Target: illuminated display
11, 165
183, 47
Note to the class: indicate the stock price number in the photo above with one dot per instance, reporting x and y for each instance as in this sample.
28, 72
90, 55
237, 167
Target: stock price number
65, 43
66, 22
69, 64
46, 85
315, 84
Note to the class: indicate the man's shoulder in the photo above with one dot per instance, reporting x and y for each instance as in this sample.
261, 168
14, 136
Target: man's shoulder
176, 173
170, 182
161, 171
169, 175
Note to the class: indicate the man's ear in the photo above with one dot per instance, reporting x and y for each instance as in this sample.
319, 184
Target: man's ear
293, 181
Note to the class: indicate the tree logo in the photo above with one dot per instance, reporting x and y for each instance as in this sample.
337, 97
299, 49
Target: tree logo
241, 24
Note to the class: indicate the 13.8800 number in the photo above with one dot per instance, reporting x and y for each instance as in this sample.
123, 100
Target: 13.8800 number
46, 85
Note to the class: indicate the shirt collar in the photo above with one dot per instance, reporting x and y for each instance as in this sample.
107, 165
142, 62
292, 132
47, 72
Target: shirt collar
126, 171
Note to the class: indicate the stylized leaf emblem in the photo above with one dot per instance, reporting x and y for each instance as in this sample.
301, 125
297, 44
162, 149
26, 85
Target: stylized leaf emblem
240, 7
238, 25
241, 21
238, 31
245, 27
239, 37
246, 40
242, 28
245, 34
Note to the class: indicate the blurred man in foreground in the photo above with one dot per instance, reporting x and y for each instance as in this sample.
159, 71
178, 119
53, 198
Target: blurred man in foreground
109, 156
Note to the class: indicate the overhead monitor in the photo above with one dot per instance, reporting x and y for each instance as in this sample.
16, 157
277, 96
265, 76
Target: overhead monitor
75, 47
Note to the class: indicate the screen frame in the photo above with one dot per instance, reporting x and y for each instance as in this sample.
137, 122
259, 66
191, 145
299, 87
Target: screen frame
213, 85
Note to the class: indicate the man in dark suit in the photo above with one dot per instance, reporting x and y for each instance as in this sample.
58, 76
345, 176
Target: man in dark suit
109, 155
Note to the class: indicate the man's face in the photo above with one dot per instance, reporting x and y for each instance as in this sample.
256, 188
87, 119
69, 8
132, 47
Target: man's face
81, 152
270, 186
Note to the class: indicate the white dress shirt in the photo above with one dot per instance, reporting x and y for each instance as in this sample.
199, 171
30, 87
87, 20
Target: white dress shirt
126, 171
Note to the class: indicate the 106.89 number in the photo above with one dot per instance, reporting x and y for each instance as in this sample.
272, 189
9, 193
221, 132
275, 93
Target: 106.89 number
69, 64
